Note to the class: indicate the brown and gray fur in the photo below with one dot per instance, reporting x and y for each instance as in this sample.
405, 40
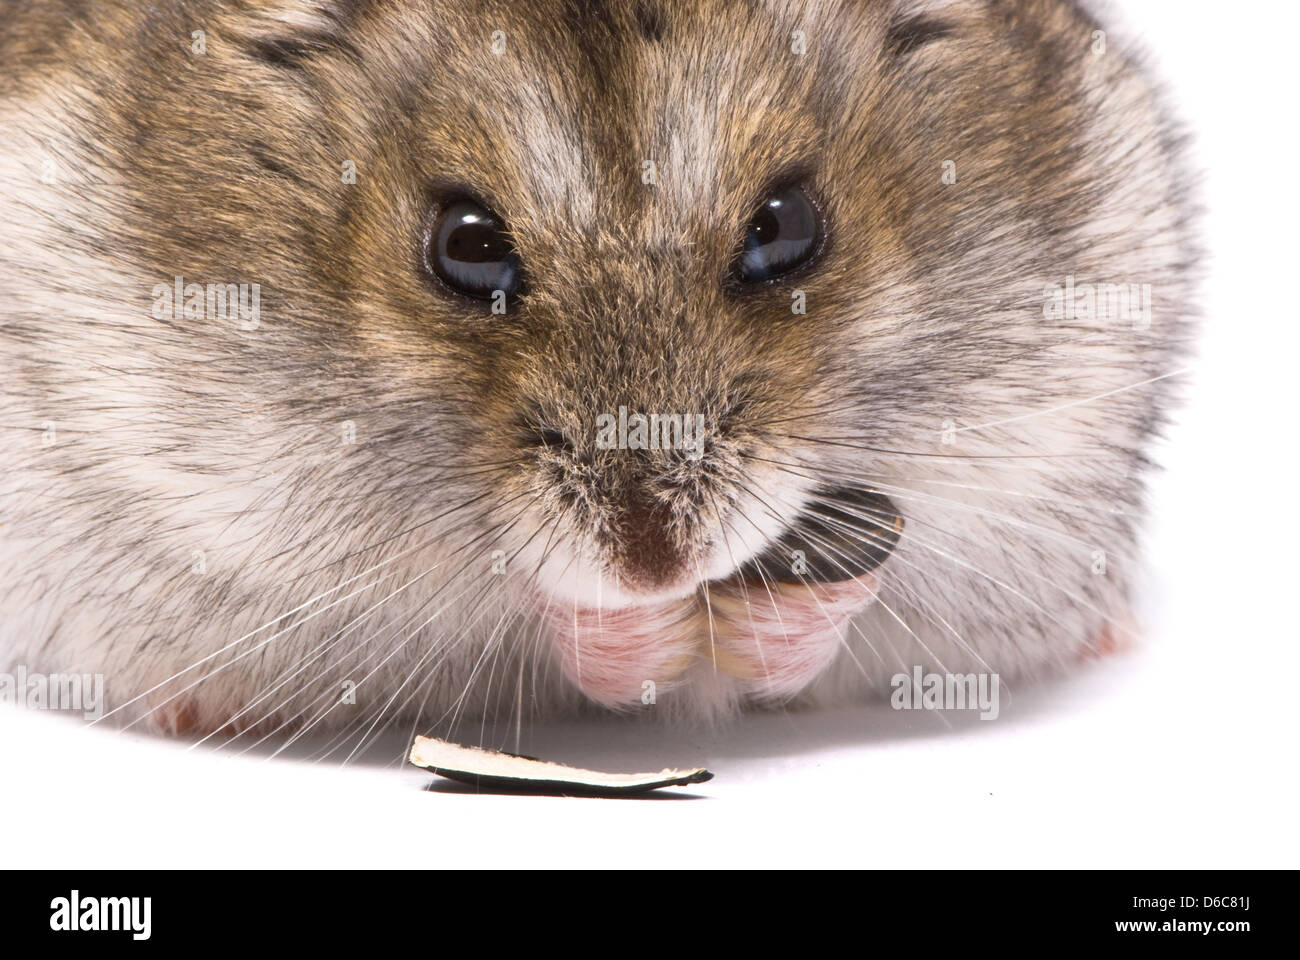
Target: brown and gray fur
133, 443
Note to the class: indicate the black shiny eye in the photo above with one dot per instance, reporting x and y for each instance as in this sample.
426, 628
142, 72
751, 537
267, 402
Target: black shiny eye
782, 235
468, 249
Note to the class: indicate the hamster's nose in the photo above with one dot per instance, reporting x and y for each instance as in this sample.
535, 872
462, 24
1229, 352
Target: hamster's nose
649, 554
633, 505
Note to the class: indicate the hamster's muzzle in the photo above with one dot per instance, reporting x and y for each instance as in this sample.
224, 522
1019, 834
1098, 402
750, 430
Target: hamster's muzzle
773, 625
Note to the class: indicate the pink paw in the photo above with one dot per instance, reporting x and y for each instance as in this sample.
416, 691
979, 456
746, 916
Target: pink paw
1118, 636
779, 636
611, 654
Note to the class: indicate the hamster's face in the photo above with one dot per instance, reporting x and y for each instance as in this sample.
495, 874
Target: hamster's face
695, 214
668, 307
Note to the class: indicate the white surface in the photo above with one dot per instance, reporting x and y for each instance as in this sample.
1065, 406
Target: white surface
1182, 753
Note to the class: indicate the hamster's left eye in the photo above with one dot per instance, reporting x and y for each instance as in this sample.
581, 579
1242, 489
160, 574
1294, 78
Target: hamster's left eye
783, 235
468, 249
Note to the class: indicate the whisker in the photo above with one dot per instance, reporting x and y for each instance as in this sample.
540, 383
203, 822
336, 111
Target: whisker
1077, 403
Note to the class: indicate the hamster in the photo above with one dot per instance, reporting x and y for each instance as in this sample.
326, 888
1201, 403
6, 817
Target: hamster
415, 361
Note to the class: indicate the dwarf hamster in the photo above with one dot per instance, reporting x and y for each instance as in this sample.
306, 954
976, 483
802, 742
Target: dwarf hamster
422, 359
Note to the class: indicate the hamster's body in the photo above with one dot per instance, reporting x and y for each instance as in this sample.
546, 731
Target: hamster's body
367, 488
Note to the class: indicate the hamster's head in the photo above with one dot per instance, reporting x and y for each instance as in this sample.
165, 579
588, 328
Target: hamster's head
678, 304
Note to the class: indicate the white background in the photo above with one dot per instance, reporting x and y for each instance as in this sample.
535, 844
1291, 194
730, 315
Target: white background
1180, 754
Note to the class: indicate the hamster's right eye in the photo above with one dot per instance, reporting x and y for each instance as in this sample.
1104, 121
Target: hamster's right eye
468, 249
783, 235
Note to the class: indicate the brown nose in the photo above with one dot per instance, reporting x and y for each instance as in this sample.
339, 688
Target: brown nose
635, 508
647, 542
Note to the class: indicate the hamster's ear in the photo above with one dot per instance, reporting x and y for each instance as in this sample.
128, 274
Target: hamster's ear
288, 33
917, 23
905, 9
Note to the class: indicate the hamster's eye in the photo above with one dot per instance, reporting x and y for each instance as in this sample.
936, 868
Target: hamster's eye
782, 235
468, 249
